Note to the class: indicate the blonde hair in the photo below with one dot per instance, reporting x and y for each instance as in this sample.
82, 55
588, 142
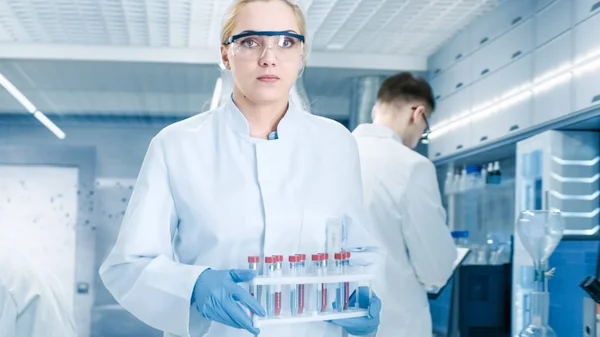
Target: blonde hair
232, 13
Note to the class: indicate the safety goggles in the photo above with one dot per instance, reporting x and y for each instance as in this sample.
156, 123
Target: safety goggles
252, 45
426, 131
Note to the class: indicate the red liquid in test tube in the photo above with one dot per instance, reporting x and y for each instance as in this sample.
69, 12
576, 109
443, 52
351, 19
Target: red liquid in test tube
302, 265
323, 257
279, 264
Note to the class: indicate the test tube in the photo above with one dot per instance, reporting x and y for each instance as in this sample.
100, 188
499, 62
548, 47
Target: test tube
339, 289
252, 265
323, 257
345, 270
293, 260
301, 270
270, 267
316, 259
279, 273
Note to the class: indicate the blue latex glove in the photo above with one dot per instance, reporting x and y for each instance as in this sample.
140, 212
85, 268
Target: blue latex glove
216, 296
365, 325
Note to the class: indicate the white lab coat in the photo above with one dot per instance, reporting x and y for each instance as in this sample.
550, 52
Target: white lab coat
402, 196
32, 301
208, 195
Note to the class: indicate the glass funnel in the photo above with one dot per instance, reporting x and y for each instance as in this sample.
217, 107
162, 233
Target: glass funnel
540, 232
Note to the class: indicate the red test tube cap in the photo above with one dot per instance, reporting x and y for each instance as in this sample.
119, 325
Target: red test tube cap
338, 256
269, 259
316, 257
253, 259
293, 258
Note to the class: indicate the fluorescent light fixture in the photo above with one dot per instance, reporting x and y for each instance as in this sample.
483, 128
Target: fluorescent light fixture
48, 123
547, 81
216, 94
18, 95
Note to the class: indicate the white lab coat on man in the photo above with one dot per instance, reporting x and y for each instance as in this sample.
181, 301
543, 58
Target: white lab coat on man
402, 196
209, 195
32, 301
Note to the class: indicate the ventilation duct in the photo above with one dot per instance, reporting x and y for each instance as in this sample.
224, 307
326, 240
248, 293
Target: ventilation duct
362, 100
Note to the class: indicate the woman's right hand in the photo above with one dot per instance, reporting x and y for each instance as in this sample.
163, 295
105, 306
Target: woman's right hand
216, 296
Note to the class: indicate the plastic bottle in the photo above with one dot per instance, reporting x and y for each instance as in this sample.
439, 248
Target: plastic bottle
463, 182
490, 173
456, 183
483, 177
497, 172
448, 186
461, 238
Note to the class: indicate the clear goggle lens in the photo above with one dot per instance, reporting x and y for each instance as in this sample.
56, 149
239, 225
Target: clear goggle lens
254, 47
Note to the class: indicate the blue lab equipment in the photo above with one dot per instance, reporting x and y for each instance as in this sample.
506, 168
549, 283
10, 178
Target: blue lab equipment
360, 326
216, 296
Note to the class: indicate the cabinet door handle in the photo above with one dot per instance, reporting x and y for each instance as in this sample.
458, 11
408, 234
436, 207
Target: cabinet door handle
437, 71
484, 40
459, 85
514, 127
595, 6
516, 20
458, 56
437, 154
516, 54
483, 139
596, 98
458, 147
485, 71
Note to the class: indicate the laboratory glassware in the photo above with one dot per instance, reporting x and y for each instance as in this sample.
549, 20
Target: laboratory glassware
540, 232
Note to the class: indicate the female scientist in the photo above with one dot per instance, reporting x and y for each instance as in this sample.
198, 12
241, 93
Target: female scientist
257, 176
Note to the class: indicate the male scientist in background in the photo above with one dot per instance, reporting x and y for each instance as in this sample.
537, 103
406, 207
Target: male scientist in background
402, 196
32, 302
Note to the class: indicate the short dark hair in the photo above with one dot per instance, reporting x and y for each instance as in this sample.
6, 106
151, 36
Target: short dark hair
406, 86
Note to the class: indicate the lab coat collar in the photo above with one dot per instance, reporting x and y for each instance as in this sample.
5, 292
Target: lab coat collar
377, 131
238, 122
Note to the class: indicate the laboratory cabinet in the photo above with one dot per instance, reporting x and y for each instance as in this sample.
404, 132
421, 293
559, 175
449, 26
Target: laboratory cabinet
543, 67
499, 120
435, 63
551, 61
541, 4
502, 51
587, 88
586, 8
454, 51
456, 140
587, 71
459, 75
552, 21
502, 19
587, 43
458, 47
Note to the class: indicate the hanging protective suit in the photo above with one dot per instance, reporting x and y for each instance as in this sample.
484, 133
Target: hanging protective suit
209, 195
32, 301
402, 196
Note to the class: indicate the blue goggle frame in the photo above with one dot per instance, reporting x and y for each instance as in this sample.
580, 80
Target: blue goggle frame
264, 33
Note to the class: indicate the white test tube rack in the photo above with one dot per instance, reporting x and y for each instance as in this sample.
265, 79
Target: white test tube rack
352, 277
